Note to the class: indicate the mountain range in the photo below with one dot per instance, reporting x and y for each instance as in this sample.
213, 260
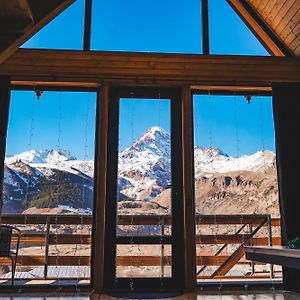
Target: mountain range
50, 178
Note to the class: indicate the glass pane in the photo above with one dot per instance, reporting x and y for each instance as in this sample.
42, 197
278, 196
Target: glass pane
152, 26
64, 32
144, 189
235, 186
49, 172
229, 34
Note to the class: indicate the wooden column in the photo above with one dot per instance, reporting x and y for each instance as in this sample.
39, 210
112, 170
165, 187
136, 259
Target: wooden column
188, 189
4, 110
205, 26
100, 190
286, 106
87, 25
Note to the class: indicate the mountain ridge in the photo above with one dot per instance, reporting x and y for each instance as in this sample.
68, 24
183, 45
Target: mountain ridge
144, 169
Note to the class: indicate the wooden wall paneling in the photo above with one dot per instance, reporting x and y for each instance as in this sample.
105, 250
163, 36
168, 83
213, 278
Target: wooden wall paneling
282, 12
262, 4
297, 50
292, 36
100, 190
275, 7
188, 189
292, 15
266, 13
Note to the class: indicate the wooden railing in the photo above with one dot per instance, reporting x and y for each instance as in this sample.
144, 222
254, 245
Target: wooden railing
46, 237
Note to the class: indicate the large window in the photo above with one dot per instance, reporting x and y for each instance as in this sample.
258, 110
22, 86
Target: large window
48, 178
236, 190
151, 26
143, 243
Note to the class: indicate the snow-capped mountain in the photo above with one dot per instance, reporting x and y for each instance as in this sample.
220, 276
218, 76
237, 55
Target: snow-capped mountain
144, 168
212, 160
41, 157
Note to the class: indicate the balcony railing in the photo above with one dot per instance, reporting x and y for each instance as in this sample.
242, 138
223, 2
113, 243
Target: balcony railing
43, 235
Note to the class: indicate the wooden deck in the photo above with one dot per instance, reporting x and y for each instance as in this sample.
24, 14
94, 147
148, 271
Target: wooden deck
45, 260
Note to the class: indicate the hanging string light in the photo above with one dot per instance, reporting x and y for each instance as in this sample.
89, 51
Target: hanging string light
29, 147
131, 283
58, 188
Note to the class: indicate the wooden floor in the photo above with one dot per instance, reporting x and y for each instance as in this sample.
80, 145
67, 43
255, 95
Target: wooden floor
251, 295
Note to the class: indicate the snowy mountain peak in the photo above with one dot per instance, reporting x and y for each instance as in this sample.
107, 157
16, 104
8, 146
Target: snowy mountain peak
41, 156
210, 151
155, 140
156, 130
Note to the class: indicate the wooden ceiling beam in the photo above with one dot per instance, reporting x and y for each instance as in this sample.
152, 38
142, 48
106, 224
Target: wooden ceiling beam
91, 67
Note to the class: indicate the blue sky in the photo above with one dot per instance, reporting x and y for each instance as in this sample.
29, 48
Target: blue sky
148, 26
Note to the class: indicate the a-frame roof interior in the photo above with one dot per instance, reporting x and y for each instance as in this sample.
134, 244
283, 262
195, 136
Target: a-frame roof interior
275, 23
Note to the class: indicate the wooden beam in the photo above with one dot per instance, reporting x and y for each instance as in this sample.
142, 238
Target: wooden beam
188, 190
87, 25
45, 84
205, 26
259, 28
231, 88
43, 12
100, 193
149, 69
4, 111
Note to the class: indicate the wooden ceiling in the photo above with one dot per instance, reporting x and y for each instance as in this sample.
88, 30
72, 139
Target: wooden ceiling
283, 18
21, 19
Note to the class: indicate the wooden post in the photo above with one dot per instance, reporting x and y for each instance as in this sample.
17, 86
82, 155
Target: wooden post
4, 111
188, 189
97, 266
286, 106
205, 27
87, 25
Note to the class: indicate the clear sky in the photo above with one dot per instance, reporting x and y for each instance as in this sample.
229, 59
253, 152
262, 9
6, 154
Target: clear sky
149, 26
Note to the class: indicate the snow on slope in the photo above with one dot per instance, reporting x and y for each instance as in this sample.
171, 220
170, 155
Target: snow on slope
41, 157
212, 160
144, 167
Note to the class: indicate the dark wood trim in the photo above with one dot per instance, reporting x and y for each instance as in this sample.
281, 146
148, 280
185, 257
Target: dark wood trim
286, 108
178, 249
188, 190
177, 197
205, 26
87, 25
100, 190
259, 28
110, 239
4, 113
149, 69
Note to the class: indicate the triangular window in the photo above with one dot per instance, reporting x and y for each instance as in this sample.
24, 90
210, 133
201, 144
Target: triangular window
64, 32
229, 34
